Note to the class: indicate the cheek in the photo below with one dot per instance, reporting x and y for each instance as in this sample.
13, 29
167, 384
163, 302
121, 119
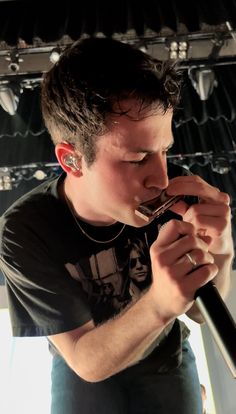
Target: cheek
115, 177
116, 182
118, 188
118, 185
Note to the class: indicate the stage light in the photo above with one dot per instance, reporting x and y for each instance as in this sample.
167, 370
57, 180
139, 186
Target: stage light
55, 55
203, 80
15, 60
178, 49
5, 179
8, 99
183, 50
173, 50
12, 176
40, 175
220, 165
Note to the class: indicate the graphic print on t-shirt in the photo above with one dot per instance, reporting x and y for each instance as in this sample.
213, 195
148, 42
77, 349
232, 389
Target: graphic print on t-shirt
115, 276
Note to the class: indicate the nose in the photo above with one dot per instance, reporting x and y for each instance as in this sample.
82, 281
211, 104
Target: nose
156, 176
139, 265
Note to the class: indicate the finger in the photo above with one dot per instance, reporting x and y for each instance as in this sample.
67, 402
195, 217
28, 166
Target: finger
209, 209
212, 225
196, 186
204, 207
177, 249
173, 230
192, 260
224, 198
199, 277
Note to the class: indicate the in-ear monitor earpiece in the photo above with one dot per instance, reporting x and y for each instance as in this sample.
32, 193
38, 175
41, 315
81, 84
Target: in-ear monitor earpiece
71, 161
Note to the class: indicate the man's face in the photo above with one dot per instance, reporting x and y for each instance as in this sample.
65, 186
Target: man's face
138, 267
130, 168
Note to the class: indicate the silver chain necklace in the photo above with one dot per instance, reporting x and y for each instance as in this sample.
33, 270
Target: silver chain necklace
84, 232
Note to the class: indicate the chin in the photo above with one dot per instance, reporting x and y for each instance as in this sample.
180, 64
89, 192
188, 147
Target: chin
137, 221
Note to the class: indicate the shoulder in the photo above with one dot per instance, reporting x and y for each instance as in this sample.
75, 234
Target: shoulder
39, 196
29, 211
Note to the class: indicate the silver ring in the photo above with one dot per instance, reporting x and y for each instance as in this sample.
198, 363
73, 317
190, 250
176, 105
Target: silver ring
191, 259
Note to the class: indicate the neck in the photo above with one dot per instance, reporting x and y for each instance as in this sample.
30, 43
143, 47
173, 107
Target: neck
80, 207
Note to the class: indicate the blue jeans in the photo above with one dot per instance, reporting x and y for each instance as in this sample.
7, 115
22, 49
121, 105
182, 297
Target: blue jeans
133, 391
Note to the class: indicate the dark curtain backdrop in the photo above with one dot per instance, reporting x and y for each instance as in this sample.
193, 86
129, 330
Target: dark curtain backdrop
50, 21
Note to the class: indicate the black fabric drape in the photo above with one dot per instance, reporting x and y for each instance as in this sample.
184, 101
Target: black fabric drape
28, 20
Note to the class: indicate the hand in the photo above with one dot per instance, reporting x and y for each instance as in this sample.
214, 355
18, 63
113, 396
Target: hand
210, 217
175, 279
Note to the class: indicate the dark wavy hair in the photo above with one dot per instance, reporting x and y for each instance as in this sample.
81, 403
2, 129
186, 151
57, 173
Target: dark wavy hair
90, 80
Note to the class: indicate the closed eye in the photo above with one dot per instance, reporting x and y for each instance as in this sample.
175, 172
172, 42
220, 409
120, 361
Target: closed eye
140, 162
145, 159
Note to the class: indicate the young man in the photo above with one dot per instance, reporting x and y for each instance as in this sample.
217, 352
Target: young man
65, 250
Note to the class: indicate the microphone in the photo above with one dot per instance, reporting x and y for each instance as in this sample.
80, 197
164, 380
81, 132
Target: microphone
219, 321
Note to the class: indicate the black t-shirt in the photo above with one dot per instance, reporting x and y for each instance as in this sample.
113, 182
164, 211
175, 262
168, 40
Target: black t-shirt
57, 279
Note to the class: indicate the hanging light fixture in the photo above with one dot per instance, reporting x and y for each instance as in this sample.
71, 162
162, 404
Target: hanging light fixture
203, 80
10, 96
10, 90
14, 60
8, 100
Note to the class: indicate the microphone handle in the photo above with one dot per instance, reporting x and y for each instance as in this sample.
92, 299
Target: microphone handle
219, 321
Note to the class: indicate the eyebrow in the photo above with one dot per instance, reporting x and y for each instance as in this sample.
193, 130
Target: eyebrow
147, 151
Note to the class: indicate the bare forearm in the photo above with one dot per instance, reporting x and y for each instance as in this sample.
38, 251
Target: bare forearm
223, 278
118, 343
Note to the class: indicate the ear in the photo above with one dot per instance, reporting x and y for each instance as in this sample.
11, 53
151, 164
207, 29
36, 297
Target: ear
68, 159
